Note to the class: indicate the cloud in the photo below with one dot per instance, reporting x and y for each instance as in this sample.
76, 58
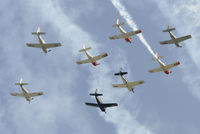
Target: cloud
185, 16
124, 13
56, 73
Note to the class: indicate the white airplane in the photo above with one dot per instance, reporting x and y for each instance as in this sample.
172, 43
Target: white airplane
25, 93
42, 44
126, 84
174, 40
90, 59
163, 67
124, 34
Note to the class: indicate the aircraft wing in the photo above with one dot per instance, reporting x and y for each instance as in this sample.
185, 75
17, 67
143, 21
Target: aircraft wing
132, 84
167, 42
172, 65
34, 45
119, 85
100, 57
155, 70
83, 61
180, 39
126, 35
51, 45
109, 105
17, 94
92, 104
35, 94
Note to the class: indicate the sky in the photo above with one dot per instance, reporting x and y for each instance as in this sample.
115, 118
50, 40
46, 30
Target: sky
167, 104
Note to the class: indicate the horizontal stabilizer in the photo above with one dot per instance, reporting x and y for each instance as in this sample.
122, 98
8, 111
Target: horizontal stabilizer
121, 73
86, 49
38, 33
160, 57
117, 25
169, 29
21, 83
95, 94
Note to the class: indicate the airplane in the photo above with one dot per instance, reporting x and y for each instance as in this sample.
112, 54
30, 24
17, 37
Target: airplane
44, 46
126, 84
100, 104
124, 34
90, 59
174, 40
163, 67
25, 93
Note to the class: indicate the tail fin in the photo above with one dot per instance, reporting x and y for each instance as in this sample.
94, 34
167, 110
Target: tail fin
157, 57
169, 29
38, 32
96, 94
118, 23
85, 49
21, 83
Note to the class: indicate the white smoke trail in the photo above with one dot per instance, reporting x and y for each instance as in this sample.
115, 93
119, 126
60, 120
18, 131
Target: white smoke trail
124, 13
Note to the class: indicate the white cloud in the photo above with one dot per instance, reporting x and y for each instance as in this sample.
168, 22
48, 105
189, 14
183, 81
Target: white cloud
185, 15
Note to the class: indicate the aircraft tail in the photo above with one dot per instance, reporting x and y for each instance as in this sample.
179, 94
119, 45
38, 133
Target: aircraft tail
38, 32
169, 29
157, 57
21, 83
121, 73
96, 94
85, 48
118, 24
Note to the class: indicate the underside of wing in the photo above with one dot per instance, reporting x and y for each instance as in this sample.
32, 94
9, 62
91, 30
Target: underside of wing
17, 94
92, 104
132, 84
51, 45
119, 85
83, 61
172, 65
167, 42
110, 105
183, 38
34, 45
155, 70
100, 57
125, 35
35, 94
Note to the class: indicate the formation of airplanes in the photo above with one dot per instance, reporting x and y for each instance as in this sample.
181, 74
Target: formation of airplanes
93, 60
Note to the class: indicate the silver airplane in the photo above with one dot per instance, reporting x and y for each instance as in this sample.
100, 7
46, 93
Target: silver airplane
43, 45
91, 59
126, 84
25, 93
174, 40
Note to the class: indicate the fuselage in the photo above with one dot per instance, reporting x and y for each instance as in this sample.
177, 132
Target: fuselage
174, 38
125, 82
162, 65
42, 42
124, 32
90, 57
26, 93
99, 102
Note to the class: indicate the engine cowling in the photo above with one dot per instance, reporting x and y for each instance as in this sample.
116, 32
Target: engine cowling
167, 72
